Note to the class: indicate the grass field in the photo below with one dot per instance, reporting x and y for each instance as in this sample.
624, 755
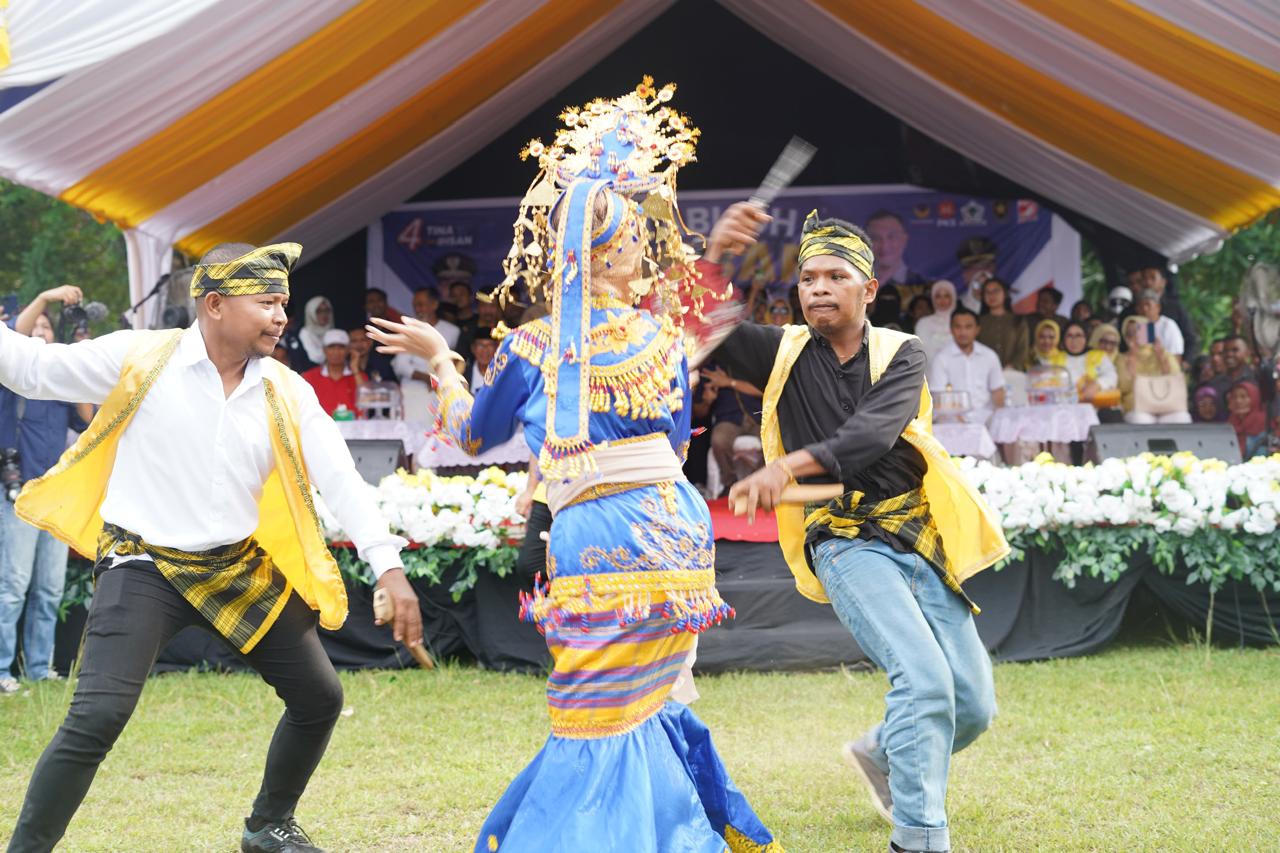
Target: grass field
1145, 747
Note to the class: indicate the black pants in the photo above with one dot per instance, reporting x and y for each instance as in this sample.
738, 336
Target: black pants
532, 557
135, 612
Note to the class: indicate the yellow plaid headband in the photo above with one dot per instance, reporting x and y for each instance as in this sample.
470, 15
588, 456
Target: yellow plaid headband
832, 239
264, 270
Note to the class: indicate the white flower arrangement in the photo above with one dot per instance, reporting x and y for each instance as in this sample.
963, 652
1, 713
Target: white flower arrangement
1179, 494
430, 510
1217, 521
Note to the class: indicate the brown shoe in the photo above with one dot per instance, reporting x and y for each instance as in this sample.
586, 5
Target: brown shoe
877, 782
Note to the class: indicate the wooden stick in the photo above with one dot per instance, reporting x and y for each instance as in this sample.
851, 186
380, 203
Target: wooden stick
798, 493
383, 611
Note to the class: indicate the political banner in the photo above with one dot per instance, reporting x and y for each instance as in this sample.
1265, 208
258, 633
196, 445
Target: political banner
918, 236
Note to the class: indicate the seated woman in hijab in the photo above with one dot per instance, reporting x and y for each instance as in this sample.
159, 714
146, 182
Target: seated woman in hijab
1106, 338
1045, 345
308, 351
779, 312
1207, 406
1247, 417
934, 330
1145, 359
1091, 370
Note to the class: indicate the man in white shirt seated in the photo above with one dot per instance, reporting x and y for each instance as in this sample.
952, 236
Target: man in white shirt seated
1166, 330
413, 371
193, 488
483, 348
966, 365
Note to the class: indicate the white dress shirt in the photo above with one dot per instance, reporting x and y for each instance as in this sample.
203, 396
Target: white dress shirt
191, 465
1170, 336
977, 372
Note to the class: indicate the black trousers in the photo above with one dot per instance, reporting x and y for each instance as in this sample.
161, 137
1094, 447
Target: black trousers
135, 612
532, 557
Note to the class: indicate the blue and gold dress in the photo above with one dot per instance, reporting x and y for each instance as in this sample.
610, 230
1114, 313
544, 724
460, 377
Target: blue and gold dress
630, 583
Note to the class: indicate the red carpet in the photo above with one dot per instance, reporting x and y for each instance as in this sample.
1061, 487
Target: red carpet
728, 526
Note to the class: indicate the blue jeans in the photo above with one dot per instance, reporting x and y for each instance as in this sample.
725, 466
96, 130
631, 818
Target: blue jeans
941, 696
33, 571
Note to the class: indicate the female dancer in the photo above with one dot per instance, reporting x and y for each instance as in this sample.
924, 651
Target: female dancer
602, 390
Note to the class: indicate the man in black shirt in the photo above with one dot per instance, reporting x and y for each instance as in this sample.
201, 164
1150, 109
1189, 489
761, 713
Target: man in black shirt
844, 402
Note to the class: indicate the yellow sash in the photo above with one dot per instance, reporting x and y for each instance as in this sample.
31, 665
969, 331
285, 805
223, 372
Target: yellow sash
67, 500
971, 535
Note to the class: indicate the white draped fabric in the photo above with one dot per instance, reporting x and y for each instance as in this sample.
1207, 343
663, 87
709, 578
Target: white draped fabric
49, 39
1161, 123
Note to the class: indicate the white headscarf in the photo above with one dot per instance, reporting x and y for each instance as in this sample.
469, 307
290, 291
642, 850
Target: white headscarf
312, 334
934, 331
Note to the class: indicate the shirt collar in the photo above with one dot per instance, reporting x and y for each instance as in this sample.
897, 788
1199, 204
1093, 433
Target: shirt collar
192, 351
815, 335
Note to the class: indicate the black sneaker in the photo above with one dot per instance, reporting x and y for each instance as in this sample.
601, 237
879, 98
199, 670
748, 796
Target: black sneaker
856, 756
283, 837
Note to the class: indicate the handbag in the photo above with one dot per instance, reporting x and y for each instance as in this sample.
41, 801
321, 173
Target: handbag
1160, 395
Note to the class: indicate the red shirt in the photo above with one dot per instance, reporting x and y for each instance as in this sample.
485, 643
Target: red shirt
333, 392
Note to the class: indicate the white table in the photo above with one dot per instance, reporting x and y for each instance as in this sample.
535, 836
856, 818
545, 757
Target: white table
965, 439
1063, 422
411, 434
434, 453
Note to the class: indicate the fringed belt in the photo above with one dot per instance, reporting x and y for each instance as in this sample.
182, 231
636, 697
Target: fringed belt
642, 462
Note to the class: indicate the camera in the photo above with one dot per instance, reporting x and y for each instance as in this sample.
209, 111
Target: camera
10, 472
75, 317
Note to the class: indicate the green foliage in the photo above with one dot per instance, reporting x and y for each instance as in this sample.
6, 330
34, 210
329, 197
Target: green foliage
1211, 556
432, 562
45, 242
1207, 286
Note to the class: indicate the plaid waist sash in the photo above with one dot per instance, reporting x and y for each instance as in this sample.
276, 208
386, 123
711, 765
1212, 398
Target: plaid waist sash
905, 516
235, 588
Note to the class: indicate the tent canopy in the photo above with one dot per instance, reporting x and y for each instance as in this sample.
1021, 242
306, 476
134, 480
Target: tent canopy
1158, 119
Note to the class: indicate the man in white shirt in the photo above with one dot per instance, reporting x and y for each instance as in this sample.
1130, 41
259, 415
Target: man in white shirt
1166, 330
413, 371
194, 420
966, 365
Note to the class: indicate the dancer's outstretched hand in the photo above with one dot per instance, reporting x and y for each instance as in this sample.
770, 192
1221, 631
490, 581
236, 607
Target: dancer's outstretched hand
406, 621
411, 336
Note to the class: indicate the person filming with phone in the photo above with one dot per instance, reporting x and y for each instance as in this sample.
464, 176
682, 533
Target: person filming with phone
1152, 390
33, 564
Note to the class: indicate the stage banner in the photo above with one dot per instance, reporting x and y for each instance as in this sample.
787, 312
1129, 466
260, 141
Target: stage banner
918, 235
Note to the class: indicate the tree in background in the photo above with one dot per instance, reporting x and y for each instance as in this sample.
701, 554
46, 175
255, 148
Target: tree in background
45, 242
1209, 285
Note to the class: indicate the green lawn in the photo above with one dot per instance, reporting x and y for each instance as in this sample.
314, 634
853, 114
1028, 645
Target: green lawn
1146, 747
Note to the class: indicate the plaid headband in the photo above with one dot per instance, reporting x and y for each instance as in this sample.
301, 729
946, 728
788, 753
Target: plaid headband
835, 240
264, 270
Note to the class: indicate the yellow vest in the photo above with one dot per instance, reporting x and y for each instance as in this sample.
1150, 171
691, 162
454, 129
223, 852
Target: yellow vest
67, 500
971, 535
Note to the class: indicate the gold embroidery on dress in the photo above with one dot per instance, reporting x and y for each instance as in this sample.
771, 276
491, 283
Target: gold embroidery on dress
664, 541
667, 489
495, 367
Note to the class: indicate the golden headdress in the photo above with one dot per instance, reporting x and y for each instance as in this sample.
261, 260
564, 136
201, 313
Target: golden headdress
629, 149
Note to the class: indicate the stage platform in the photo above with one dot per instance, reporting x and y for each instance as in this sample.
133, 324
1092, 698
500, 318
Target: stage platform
1026, 615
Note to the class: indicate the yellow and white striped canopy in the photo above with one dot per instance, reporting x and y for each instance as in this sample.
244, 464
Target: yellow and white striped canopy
263, 120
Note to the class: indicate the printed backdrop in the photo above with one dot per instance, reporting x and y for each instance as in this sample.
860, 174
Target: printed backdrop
437, 243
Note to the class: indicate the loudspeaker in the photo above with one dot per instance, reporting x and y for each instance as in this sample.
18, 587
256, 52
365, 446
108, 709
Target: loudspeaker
375, 458
1206, 441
